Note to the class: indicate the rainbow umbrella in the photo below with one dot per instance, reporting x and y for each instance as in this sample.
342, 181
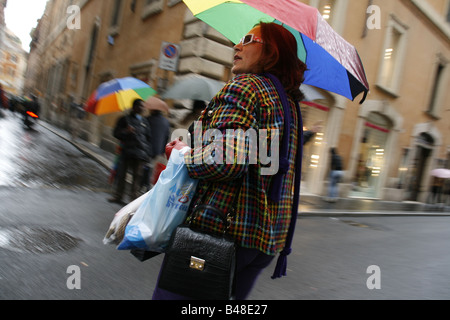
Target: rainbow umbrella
118, 95
333, 63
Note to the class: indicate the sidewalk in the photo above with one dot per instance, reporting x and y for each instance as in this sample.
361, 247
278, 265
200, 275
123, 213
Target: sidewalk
103, 157
310, 205
315, 205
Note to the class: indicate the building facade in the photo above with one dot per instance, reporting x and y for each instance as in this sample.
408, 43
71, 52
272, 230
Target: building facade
392, 141
13, 58
389, 144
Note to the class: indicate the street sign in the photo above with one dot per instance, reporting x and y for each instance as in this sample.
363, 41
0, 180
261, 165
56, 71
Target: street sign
170, 54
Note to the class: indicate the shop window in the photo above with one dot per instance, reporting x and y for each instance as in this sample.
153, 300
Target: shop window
403, 169
393, 54
327, 8
333, 11
313, 113
372, 154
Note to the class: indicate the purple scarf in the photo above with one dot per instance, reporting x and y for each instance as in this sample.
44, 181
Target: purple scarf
275, 190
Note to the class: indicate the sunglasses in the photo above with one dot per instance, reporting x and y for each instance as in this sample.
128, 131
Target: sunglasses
249, 38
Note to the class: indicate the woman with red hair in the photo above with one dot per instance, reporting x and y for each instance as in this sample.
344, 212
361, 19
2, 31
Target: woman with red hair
262, 203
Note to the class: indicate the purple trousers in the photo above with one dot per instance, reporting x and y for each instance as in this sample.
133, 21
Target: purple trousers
249, 265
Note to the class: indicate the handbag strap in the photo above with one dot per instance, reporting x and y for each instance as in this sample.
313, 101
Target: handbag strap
226, 218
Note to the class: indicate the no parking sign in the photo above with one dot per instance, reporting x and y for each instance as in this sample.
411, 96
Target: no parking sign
170, 53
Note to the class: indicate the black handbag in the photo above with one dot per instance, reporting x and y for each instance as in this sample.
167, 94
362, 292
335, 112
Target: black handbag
200, 265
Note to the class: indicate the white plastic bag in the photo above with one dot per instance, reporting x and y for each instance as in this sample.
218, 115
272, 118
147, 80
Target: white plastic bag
116, 230
163, 209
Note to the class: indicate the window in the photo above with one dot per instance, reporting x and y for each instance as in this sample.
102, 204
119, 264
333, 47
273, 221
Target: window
116, 13
171, 3
437, 90
115, 18
448, 14
333, 11
393, 53
152, 7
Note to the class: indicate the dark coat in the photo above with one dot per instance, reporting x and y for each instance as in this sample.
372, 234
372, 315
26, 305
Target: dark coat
336, 162
160, 128
135, 144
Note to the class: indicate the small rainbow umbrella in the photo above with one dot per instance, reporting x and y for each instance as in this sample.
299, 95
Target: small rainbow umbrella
118, 95
333, 63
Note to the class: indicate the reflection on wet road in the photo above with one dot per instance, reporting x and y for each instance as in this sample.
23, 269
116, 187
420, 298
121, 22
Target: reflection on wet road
38, 158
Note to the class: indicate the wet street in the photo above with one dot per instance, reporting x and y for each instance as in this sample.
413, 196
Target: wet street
36, 158
54, 215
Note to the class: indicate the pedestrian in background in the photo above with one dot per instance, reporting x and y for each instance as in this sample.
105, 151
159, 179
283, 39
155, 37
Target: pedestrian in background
134, 133
336, 174
434, 196
77, 114
160, 129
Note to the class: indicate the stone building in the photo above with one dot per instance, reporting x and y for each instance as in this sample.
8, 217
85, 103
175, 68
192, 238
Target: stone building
13, 58
115, 39
389, 144
392, 141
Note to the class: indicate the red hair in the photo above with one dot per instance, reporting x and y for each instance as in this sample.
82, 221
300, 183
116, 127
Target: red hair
279, 57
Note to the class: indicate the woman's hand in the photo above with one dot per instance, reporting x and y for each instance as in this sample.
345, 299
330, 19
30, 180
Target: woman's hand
177, 144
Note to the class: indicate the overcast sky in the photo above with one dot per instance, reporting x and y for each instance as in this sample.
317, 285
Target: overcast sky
21, 16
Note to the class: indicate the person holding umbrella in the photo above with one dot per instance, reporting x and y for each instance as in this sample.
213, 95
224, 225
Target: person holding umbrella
134, 133
252, 100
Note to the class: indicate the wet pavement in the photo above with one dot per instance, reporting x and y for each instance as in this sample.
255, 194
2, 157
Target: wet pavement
38, 158
25, 239
49, 224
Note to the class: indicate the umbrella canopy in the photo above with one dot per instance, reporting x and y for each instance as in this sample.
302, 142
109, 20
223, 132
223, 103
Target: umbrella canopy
194, 88
118, 95
441, 173
333, 64
154, 103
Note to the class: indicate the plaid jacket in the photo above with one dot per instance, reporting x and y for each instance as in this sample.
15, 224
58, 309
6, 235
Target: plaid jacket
232, 174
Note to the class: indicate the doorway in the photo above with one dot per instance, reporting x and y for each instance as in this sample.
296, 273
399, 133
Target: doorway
425, 144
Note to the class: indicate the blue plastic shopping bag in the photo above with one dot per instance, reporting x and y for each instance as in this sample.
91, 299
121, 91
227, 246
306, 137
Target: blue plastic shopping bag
164, 208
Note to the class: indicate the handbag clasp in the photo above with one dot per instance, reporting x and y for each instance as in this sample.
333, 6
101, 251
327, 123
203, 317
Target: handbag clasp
197, 264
